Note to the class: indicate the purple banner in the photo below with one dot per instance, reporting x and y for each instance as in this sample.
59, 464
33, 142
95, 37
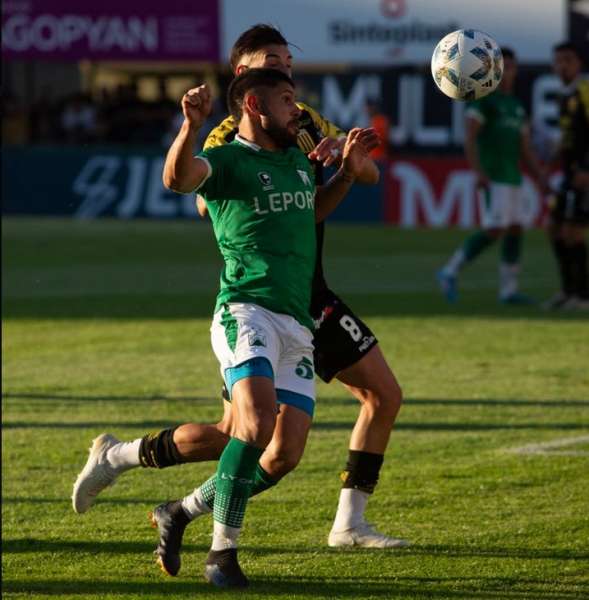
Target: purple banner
110, 30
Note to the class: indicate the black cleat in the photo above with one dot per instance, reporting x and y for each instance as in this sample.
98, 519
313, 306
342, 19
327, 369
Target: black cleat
223, 570
170, 521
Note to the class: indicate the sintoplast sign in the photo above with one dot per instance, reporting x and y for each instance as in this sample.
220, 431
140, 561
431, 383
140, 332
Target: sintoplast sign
384, 32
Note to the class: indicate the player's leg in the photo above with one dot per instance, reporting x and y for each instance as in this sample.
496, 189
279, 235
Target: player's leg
490, 206
254, 406
295, 392
281, 456
373, 383
109, 457
346, 348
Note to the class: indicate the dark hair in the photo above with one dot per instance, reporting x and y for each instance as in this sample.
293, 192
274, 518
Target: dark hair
568, 46
252, 79
508, 53
254, 39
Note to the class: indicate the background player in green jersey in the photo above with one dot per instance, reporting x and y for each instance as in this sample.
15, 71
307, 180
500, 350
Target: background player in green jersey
496, 140
569, 216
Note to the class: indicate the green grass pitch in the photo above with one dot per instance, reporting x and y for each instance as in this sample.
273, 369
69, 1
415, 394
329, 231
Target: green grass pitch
106, 329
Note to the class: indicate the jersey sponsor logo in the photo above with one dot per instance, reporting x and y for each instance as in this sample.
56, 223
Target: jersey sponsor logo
305, 368
366, 342
283, 201
265, 180
304, 177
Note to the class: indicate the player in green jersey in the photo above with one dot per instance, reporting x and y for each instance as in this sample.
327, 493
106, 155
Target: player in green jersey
345, 348
260, 192
497, 138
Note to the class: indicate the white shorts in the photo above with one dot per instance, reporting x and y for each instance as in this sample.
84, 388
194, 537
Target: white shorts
502, 205
249, 340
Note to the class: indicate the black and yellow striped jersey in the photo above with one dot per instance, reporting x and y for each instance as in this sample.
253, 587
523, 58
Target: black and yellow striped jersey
574, 125
313, 128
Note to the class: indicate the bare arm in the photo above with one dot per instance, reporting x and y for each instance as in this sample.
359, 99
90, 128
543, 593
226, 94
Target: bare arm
184, 172
473, 128
359, 143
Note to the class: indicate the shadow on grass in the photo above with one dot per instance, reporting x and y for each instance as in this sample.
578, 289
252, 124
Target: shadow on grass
389, 587
399, 304
26, 545
81, 398
109, 398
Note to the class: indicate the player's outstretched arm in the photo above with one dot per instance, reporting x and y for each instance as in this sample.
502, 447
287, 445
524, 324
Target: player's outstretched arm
184, 172
359, 143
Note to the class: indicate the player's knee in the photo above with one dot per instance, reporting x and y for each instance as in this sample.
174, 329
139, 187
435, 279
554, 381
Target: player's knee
282, 461
385, 401
257, 428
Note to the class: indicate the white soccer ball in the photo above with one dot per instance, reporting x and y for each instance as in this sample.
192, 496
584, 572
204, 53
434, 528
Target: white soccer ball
467, 64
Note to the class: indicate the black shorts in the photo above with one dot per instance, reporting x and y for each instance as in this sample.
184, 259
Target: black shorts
341, 338
572, 206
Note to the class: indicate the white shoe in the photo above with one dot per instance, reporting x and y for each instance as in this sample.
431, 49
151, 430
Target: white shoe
96, 475
365, 536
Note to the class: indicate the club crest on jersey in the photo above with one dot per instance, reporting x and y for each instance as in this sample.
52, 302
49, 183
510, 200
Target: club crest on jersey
304, 177
265, 180
256, 338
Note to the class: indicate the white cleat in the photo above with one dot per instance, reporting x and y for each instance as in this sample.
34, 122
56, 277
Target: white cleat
364, 536
96, 475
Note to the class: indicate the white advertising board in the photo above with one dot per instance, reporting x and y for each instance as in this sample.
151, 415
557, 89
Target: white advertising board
389, 32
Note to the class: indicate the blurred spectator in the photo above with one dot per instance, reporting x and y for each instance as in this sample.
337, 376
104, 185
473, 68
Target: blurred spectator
78, 119
381, 123
15, 128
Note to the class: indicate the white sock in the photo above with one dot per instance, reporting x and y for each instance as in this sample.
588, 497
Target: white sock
194, 505
124, 455
508, 279
453, 265
224, 536
350, 509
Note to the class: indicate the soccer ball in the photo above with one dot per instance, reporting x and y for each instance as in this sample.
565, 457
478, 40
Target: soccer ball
467, 64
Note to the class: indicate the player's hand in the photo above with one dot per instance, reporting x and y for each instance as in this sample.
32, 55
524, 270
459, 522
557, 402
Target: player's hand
357, 147
328, 151
196, 105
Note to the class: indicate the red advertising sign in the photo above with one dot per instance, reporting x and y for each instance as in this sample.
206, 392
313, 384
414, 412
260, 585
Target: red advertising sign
110, 30
440, 192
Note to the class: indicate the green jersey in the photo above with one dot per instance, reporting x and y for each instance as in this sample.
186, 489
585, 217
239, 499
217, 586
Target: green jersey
503, 118
262, 205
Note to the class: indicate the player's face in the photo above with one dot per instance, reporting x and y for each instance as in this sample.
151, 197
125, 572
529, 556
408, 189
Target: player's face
273, 56
566, 65
279, 115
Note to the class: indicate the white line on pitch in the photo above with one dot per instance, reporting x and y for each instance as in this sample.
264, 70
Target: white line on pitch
553, 447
